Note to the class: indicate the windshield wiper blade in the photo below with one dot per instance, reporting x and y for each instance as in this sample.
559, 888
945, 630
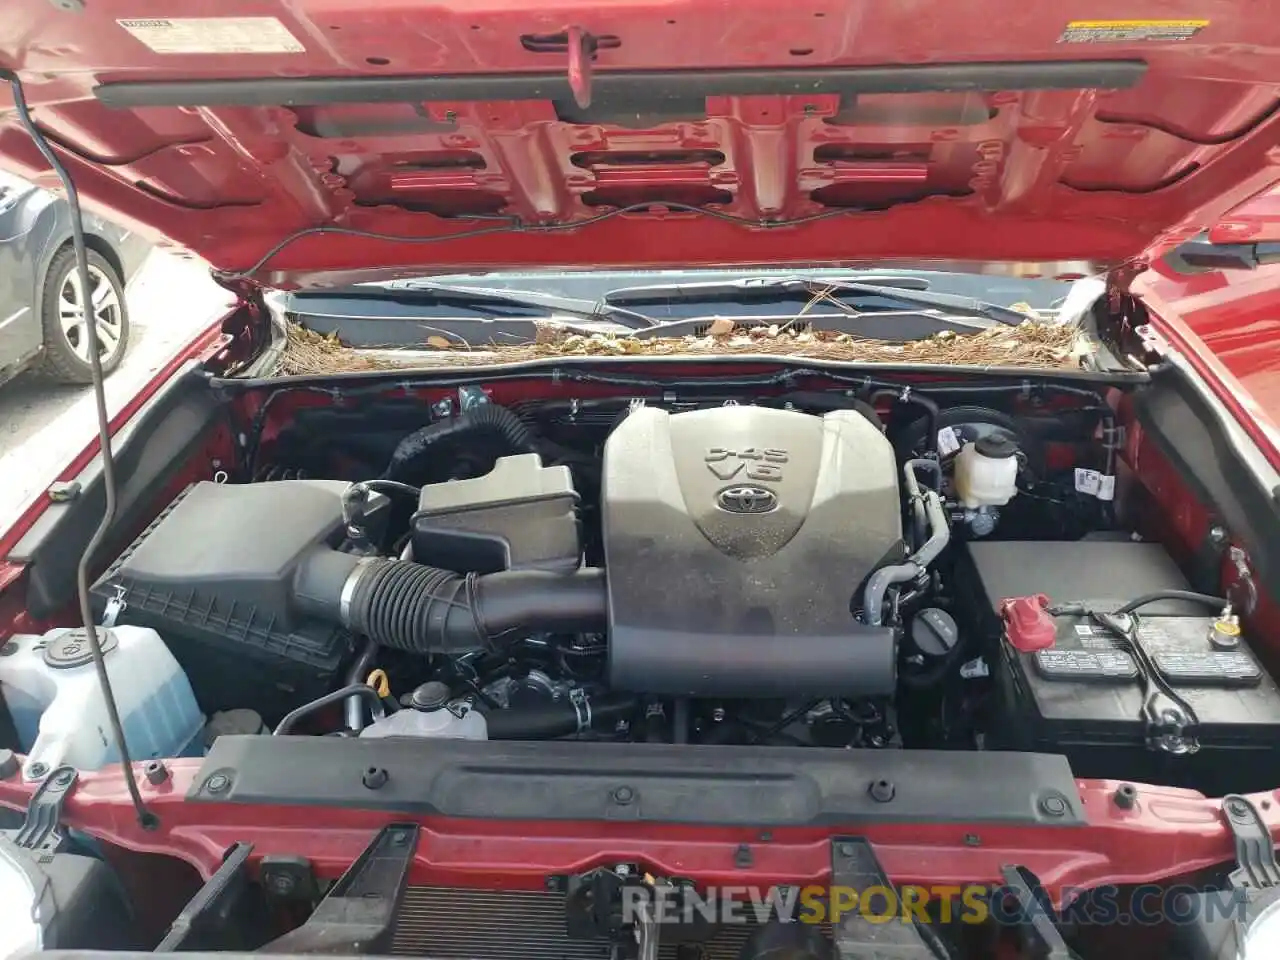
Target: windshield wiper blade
439, 292
904, 295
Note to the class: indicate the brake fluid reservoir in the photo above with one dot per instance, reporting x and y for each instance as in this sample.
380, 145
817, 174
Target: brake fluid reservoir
51, 689
986, 472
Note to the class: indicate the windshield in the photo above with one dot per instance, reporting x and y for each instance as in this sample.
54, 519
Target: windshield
599, 284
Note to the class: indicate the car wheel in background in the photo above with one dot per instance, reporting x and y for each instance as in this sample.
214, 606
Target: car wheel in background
66, 343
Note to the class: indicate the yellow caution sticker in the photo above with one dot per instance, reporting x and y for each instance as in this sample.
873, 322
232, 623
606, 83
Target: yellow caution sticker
1131, 31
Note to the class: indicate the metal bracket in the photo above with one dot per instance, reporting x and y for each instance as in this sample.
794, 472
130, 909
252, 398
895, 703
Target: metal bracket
358, 914
115, 606
1255, 846
1152, 340
854, 866
41, 830
582, 707
582, 47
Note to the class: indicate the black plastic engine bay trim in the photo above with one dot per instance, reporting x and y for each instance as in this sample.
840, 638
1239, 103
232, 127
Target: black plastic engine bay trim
1186, 424
655, 369
641, 783
358, 913
625, 86
149, 449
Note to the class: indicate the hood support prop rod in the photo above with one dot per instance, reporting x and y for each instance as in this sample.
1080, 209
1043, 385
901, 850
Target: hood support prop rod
146, 818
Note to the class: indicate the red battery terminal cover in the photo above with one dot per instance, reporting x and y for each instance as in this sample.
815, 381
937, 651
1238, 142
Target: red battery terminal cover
1027, 623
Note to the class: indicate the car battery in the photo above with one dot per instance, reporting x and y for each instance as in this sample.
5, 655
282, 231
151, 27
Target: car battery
1084, 696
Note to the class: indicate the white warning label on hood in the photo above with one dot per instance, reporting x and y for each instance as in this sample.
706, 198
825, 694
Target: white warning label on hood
187, 35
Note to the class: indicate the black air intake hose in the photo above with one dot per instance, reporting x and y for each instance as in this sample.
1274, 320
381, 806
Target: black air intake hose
423, 609
559, 718
487, 418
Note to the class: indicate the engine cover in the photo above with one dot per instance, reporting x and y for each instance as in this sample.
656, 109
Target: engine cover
735, 539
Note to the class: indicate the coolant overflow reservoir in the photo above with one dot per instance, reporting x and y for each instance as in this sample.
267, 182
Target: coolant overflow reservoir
429, 713
986, 472
51, 688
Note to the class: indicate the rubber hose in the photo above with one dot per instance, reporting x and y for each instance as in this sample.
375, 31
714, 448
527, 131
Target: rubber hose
1189, 596
929, 407
286, 725
487, 418
919, 518
880, 581
558, 718
423, 609
827, 401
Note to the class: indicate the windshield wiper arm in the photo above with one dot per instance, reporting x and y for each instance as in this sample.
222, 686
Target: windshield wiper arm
766, 285
439, 292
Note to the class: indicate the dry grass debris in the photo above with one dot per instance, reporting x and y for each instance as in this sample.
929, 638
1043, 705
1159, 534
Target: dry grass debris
1034, 344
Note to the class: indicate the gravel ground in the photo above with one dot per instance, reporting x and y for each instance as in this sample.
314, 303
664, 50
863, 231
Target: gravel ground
44, 425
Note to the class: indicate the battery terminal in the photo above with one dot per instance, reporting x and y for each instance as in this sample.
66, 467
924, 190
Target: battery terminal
1224, 632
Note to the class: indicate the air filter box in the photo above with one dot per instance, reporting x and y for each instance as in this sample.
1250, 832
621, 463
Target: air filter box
212, 576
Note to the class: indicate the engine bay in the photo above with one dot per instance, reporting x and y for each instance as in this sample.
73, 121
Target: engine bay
894, 569
710, 606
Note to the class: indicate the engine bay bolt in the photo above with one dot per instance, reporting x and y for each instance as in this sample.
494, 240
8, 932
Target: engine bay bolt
282, 884
1217, 536
972, 840
37, 769
218, 783
882, 791
622, 870
623, 794
156, 772
717, 714
8, 649
1126, 796
1053, 806
375, 778
846, 849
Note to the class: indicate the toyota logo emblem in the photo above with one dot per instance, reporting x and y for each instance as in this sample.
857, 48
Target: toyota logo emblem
747, 499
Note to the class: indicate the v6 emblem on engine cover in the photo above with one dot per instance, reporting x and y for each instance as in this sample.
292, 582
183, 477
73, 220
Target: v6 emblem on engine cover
753, 463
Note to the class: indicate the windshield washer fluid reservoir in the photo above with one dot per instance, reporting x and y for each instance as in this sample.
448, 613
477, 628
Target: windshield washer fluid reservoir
51, 689
986, 472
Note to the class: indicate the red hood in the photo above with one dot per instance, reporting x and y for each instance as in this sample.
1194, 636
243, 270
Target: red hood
997, 131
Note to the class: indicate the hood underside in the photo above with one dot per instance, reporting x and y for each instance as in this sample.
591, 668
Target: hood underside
504, 133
